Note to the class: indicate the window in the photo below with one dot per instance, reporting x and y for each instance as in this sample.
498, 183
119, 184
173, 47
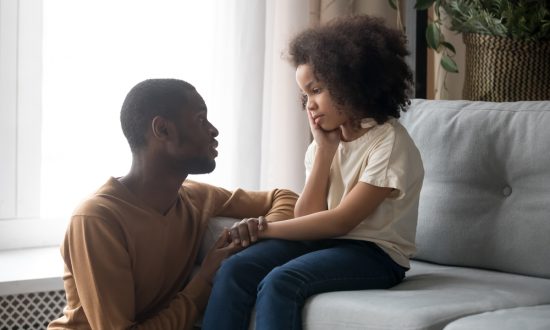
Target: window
20, 124
65, 68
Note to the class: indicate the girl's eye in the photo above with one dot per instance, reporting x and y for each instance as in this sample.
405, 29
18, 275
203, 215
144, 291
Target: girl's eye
316, 90
303, 99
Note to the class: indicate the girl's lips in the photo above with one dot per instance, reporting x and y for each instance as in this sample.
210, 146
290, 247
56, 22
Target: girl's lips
316, 119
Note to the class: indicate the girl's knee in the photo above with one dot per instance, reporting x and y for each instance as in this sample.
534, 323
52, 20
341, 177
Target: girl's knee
232, 267
243, 272
282, 280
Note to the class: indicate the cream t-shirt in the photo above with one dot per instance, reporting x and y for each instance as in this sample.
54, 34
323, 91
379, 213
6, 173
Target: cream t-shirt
385, 156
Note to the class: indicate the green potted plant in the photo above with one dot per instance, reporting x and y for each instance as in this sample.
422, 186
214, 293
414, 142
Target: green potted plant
507, 45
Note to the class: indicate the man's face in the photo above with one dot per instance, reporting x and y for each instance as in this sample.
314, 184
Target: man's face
195, 149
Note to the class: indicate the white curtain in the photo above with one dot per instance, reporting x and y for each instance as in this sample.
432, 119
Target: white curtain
268, 133
263, 141
231, 50
94, 51
285, 133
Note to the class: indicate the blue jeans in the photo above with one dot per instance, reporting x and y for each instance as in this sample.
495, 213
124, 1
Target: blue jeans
278, 276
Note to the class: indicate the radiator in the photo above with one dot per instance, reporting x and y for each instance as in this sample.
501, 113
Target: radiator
30, 311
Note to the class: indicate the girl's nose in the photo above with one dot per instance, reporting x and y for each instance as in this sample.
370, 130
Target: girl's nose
311, 105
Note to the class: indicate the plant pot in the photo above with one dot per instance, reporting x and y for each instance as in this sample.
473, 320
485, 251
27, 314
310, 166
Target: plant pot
502, 69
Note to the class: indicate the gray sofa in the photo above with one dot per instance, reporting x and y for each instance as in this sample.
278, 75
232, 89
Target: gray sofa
483, 236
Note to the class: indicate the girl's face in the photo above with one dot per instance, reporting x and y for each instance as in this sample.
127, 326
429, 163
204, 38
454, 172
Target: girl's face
318, 101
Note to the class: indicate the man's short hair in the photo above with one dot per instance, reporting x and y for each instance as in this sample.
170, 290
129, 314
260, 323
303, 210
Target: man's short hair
148, 99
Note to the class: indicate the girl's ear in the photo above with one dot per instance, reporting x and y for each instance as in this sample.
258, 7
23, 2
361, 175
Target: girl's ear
162, 129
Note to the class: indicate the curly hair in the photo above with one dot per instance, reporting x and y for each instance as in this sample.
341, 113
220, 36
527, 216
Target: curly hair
362, 63
150, 98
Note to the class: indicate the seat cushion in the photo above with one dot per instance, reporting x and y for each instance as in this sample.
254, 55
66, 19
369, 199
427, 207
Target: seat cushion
430, 297
526, 318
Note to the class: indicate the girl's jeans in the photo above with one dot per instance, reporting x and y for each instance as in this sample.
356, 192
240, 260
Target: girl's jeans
278, 276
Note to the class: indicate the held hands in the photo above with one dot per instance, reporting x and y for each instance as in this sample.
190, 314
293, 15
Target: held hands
222, 249
239, 236
247, 231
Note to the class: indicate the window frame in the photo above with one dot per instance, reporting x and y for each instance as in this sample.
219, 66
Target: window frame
20, 127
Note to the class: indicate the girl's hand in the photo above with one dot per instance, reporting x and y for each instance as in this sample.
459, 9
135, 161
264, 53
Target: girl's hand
328, 140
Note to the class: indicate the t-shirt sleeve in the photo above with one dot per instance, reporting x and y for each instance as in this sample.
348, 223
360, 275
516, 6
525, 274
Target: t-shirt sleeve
95, 253
309, 158
386, 165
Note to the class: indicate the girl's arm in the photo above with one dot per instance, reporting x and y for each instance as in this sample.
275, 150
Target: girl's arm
361, 201
314, 196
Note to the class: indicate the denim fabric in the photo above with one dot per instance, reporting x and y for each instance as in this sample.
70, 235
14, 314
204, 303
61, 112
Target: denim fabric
278, 276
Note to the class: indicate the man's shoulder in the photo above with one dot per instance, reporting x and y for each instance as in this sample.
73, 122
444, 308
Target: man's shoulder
96, 207
106, 200
204, 196
195, 188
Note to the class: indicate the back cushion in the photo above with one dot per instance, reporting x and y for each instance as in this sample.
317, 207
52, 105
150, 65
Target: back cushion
485, 201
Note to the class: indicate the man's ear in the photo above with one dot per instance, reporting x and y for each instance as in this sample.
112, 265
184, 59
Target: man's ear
162, 129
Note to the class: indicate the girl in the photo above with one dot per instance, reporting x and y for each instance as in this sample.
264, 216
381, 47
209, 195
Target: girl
355, 220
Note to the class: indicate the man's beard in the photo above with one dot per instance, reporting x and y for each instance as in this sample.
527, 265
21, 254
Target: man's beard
200, 165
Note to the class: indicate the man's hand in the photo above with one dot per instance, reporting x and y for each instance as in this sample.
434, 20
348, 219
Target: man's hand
246, 231
222, 249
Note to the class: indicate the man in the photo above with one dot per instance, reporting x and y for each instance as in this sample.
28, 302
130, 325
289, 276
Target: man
130, 249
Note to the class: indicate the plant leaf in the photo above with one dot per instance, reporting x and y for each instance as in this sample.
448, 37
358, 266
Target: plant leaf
433, 35
449, 64
518, 19
393, 4
449, 46
437, 10
423, 4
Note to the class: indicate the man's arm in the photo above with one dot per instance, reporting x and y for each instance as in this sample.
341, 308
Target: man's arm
282, 206
275, 205
96, 254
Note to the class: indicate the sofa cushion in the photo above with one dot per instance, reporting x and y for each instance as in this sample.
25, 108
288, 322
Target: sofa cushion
430, 297
527, 318
485, 201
